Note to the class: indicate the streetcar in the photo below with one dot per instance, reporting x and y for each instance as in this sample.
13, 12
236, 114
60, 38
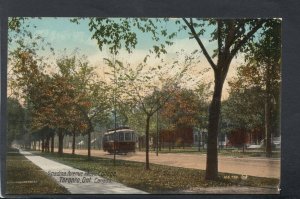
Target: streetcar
121, 140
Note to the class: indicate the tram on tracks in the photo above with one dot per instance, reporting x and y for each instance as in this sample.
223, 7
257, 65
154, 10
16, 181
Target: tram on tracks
121, 140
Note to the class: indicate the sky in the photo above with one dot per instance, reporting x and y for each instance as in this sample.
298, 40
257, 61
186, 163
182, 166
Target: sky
64, 35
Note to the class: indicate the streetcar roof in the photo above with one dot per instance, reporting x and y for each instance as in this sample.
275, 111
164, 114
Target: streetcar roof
120, 130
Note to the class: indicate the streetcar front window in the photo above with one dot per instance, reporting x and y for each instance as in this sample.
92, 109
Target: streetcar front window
111, 137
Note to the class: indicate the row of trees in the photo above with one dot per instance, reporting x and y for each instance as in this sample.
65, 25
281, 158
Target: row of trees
68, 101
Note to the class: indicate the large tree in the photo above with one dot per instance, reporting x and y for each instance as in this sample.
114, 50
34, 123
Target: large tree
148, 96
231, 37
88, 101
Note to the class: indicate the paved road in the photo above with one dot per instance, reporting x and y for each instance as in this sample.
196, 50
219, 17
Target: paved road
77, 181
261, 167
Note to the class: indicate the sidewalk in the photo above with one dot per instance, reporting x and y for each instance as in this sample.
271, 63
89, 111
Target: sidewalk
78, 181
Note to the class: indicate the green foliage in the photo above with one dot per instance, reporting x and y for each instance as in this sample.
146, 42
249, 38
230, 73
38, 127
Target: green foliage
20, 37
244, 109
118, 33
15, 120
14, 23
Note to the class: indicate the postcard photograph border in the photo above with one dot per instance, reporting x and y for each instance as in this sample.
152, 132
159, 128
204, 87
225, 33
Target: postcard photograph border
290, 95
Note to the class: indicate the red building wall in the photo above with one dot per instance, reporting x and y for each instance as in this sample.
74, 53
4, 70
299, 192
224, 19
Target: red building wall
239, 137
178, 137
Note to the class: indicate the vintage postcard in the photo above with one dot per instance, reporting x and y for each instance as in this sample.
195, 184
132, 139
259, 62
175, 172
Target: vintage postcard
143, 105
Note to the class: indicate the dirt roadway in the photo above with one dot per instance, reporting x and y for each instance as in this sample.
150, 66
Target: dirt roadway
260, 167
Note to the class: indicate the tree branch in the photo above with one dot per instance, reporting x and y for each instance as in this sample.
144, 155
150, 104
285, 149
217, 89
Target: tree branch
219, 22
140, 100
96, 113
86, 117
163, 102
245, 39
191, 27
230, 35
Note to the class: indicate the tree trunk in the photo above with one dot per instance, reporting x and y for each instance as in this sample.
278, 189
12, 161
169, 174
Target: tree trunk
268, 109
202, 139
60, 141
173, 141
213, 127
268, 130
147, 142
170, 141
48, 144
73, 144
160, 144
52, 143
140, 144
89, 144
94, 146
199, 141
43, 145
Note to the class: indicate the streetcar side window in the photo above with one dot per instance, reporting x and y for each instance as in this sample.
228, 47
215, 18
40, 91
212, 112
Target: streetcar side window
127, 136
121, 136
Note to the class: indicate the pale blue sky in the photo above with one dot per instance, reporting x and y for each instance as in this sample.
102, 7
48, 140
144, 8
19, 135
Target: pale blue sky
62, 34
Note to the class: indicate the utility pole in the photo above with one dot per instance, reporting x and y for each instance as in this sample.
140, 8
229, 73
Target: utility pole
94, 139
199, 139
157, 138
115, 111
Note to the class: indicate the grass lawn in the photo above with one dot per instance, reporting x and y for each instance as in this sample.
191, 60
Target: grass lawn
233, 152
160, 179
23, 177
